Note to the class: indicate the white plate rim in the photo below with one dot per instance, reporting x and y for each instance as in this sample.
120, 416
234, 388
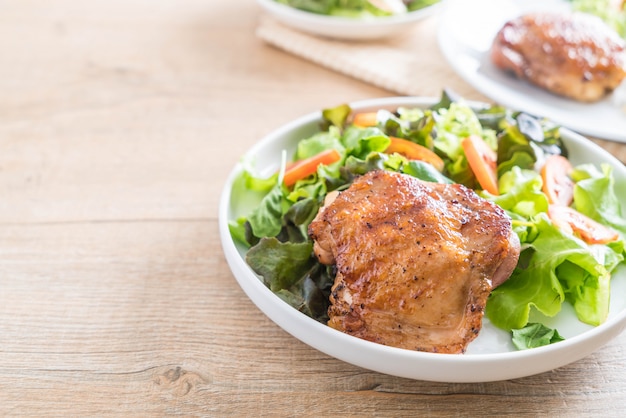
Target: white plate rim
394, 361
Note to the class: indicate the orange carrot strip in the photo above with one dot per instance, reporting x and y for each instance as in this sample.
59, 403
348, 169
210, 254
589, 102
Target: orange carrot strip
414, 151
364, 120
483, 162
304, 168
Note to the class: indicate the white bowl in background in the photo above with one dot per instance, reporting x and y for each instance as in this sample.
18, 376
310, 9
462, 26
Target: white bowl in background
342, 27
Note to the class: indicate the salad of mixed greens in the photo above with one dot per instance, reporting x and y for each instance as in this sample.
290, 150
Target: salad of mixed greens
359, 9
568, 219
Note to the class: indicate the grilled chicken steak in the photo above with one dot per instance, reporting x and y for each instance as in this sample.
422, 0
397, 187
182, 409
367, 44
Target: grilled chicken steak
575, 55
415, 261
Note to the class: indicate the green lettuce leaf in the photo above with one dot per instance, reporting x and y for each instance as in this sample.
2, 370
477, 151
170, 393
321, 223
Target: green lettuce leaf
319, 142
520, 193
453, 125
594, 196
413, 5
525, 141
424, 171
337, 116
297, 219
360, 142
553, 267
534, 335
266, 219
238, 230
310, 294
280, 264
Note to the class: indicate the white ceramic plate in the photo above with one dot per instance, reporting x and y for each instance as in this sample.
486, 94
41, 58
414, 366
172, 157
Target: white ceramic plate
466, 31
490, 357
345, 28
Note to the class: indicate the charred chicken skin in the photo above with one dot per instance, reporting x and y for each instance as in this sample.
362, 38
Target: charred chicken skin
415, 261
575, 55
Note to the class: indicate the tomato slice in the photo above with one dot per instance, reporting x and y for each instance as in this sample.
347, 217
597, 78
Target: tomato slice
363, 120
304, 168
557, 184
590, 231
483, 162
414, 151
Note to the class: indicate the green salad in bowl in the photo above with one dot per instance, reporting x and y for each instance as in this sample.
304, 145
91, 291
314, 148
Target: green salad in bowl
567, 216
359, 9
564, 196
351, 20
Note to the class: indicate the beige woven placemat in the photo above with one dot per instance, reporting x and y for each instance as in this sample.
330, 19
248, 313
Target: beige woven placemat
407, 64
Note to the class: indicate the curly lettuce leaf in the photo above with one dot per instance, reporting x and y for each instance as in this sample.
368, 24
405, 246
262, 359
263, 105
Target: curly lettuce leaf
237, 229
556, 266
413, 5
266, 218
520, 193
360, 142
290, 271
455, 123
280, 264
276, 217
553, 267
337, 116
395, 162
534, 335
319, 142
452, 126
525, 141
594, 196
296, 220
424, 171
356, 9
414, 124
323, 7
310, 293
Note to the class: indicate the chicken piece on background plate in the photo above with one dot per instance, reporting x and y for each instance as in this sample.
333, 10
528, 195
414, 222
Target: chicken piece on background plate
416, 261
575, 55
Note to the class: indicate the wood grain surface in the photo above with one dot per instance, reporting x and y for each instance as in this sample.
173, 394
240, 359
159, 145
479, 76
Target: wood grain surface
119, 123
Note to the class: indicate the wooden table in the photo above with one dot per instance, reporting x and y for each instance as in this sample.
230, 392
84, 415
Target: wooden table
119, 123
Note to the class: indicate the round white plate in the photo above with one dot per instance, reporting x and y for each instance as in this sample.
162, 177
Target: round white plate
490, 357
466, 31
342, 27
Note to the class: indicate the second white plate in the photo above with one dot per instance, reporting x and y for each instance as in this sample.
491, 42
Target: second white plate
467, 29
